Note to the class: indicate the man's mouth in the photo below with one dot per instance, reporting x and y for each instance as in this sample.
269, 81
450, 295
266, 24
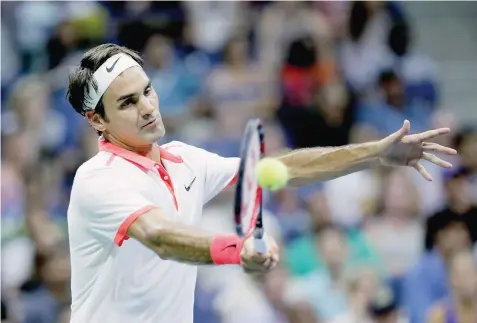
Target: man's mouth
150, 123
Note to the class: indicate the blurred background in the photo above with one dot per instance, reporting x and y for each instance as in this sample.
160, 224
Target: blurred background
380, 245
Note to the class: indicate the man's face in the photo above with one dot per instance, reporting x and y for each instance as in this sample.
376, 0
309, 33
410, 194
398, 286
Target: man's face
333, 249
458, 191
132, 109
468, 151
394, 92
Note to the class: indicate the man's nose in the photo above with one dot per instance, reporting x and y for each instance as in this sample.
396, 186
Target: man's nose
145, 107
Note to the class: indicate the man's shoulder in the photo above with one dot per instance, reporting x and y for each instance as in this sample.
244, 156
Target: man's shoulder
100, 161
186, 151
102, 165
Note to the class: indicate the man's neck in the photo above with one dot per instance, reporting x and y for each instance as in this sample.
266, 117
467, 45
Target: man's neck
150, 151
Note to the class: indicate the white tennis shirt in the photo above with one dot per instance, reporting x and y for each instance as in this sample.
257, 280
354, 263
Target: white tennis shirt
116, 279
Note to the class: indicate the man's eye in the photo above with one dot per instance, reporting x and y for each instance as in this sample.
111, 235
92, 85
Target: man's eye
147, 91
126, 104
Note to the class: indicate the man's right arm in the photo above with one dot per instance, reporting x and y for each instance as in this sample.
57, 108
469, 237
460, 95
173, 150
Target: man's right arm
171, 240
115, 210
182, 243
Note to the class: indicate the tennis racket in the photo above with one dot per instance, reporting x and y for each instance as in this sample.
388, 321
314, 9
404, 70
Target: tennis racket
248, 195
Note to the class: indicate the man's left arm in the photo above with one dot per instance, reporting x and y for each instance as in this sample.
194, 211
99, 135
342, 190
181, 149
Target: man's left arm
310, 165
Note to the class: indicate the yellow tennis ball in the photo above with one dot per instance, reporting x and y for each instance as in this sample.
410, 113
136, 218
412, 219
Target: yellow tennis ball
272, 174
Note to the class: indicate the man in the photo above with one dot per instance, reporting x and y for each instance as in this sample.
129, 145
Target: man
134, 188
461, 305
427, 283
459, 204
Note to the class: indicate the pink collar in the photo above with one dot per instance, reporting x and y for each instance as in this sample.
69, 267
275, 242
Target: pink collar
135, 158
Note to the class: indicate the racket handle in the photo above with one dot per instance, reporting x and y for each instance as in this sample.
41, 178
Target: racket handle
259, 242
260, 245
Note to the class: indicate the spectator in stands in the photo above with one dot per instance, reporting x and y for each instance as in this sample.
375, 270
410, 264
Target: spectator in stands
324, 286
178, 87
239, 89
417, 71
386, 112
360, 287
426, 282
315, 107
461, 305
466, 145
396, 232
46, 128
284, 22
17, 248
291, 213
362, 52
286, 305
63, 42
46, 295
358, 251
213, 23
384, 307
459, 204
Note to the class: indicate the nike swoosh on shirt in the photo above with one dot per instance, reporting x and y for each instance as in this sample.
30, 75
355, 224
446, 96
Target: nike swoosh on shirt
187, 188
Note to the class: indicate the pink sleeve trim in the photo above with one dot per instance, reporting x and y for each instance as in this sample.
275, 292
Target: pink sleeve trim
121, 235
232, 182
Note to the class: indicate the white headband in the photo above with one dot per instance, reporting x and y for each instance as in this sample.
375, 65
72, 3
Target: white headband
105, 75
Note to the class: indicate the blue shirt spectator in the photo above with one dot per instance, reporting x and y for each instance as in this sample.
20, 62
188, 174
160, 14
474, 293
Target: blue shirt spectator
423, 285
176, 85
386, 114
427, 282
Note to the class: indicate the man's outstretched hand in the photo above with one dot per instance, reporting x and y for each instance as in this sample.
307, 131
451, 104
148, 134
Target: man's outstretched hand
402, 149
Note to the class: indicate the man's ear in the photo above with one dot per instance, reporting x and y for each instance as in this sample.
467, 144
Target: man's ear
95, 120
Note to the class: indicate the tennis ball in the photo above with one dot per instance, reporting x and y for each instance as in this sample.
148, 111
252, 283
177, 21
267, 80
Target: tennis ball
272, 174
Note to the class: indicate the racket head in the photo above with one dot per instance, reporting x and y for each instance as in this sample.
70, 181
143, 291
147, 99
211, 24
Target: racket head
248, 195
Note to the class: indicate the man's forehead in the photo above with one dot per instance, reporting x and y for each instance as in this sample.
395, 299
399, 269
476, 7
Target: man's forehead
132, 80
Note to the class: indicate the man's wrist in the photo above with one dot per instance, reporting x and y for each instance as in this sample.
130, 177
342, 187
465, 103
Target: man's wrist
373, 152
225, 249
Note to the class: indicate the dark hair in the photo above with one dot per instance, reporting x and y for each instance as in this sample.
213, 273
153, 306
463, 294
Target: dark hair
302, 52
399, 38
462, 134
82, 75
386, 76
358, 19
439, 222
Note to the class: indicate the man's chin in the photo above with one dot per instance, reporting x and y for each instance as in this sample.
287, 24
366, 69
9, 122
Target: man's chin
154, 136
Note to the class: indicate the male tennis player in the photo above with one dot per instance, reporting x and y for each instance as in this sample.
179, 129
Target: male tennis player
134, 188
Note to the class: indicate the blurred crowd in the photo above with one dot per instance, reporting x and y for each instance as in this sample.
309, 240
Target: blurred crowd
381, 245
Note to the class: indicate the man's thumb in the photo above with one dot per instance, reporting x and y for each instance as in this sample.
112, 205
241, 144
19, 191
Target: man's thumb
398, 135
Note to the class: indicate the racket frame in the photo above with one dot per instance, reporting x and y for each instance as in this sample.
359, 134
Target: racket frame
253, 126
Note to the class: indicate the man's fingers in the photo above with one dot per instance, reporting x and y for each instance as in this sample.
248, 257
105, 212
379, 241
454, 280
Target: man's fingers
429, 146
423, 171
432, 133
259, 258
436, 160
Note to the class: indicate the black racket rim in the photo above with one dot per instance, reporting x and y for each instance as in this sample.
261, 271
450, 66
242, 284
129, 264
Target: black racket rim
252, 126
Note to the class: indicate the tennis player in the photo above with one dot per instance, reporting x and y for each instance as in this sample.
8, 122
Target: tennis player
135, 206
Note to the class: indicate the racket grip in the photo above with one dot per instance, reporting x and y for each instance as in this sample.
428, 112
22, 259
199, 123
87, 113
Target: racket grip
260, 245
259, 241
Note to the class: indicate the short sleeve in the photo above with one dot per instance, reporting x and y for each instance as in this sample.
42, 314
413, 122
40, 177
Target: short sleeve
109, 202
220, 172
